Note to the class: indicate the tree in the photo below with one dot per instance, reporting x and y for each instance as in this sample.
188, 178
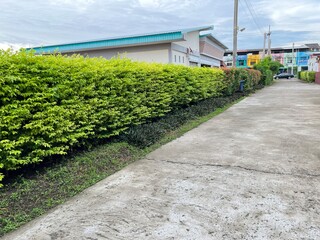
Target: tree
268, 64
268, 68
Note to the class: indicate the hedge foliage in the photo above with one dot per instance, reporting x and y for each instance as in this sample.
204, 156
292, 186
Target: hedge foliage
234, 75
149, 133
299, 75
268, 78
50, 104
268, 68
307, 76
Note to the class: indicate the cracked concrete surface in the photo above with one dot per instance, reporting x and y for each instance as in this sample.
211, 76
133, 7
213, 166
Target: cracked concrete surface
235, 166
253, 172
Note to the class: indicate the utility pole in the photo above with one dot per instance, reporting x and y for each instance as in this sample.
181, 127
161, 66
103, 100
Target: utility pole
292, 58
264, 45
269, 42
235, 33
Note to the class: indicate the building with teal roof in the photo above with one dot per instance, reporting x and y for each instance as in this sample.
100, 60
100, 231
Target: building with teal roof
190, 47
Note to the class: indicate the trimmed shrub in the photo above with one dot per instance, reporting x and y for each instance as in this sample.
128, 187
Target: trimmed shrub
51, 104
254, 77
268, 79
308, 76
311, 76
234, 75
149, 133
232, 79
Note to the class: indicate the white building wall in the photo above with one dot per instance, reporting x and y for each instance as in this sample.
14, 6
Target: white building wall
313, 65
192, 41
228, 60
179, 58
149, 53
209, 61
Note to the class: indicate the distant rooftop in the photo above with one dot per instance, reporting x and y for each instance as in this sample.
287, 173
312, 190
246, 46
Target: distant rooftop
132, 40
303, 46
313, 45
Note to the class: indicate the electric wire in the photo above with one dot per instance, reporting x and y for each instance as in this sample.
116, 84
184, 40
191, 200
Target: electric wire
254, 11
252, 15
248, 13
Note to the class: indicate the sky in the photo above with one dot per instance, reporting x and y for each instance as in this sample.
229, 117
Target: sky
30, 23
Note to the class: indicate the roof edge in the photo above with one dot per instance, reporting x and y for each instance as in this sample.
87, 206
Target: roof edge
210, 35
182, 31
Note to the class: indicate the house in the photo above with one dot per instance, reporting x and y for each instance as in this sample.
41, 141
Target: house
241, 61
314, 62
187, 47
253, 59
298, 58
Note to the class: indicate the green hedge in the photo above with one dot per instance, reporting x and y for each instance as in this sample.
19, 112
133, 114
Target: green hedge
149, 133
303, 75
50, 104
307, 76
268, 78
299, 75
234, 75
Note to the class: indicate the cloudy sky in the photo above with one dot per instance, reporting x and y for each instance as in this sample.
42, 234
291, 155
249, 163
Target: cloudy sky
43, 22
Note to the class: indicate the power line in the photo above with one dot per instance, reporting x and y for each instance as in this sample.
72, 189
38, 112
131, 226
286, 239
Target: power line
244, 7
254, 11
252, 15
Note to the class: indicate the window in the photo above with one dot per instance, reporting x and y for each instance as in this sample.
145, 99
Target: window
183, 59
175, 58
241, 62
179, 59
252, 63
229, 64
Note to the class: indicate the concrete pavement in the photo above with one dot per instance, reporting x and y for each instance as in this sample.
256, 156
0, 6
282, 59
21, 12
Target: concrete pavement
253, 172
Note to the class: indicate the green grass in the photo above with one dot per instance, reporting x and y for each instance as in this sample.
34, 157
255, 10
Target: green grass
28, 195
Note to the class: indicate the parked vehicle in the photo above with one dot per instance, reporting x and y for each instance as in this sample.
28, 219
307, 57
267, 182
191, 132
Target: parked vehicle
284, 75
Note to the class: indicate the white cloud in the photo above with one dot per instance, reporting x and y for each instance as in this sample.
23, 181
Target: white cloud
80, 5
72, 2
171, 5
40, 22
13, 46
292, 15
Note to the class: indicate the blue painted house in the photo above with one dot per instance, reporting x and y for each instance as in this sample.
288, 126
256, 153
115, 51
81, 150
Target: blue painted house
302, 60
242, 61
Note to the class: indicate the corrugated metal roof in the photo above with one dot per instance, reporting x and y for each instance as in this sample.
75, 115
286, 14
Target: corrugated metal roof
149, 38
313, 45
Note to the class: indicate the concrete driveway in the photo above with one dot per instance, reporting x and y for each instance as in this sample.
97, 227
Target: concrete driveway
252, 172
